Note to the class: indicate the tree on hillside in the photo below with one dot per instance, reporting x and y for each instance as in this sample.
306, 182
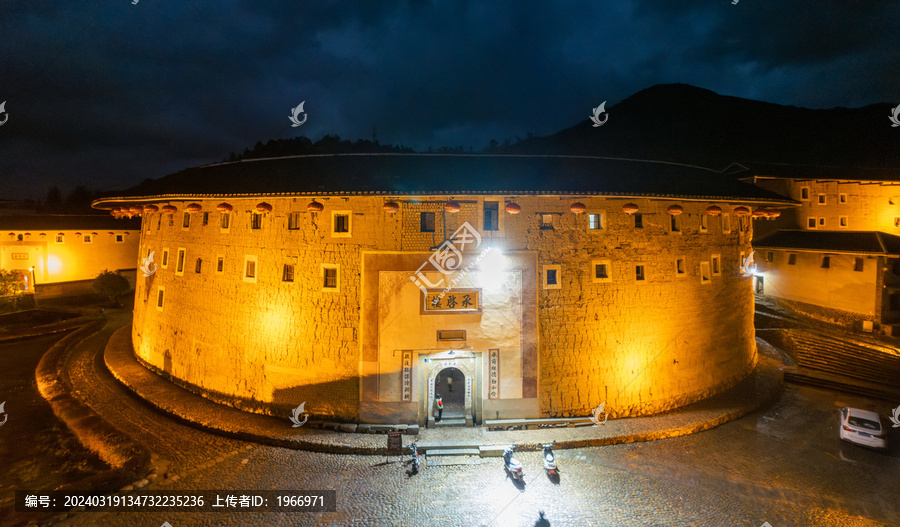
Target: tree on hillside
112, 285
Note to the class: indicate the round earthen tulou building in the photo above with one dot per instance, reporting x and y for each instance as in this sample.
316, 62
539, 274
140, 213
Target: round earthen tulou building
513, 286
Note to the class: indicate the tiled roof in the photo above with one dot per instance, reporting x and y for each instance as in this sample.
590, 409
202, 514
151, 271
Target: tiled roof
62, 222
860, 242
440, 174
789, 171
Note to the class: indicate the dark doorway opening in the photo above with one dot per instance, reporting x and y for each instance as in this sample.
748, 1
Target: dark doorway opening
451, 384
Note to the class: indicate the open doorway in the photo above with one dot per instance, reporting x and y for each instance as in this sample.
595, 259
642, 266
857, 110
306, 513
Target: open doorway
450, 383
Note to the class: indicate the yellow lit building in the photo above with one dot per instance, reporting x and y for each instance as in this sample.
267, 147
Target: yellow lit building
365, 285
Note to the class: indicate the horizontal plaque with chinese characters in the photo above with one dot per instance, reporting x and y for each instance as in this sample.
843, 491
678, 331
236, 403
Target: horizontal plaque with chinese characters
452, 301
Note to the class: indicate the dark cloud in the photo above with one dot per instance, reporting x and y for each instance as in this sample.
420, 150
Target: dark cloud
107, 94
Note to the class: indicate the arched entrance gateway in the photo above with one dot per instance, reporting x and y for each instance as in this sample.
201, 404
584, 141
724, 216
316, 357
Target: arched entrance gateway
455, 376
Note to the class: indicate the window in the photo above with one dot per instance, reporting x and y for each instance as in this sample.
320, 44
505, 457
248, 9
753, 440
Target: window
810, 223
87, 238
220, 264
704, 272
821, 199
792, 259
159, 221
842, 221
717, 264
205, 218
250, 261
638, 220
171, 219
552, 277
821, 222
60, 238
225, 222
341, 223
455, 334
331, 277
186, 222
491, 215
294, 221
842, 198
165, 258
675, 222
804, 193
596, 221
770, 256
120, 238
160, 296
639, 272
704, 223
858, 264
179, 266
255, 220
546, 221
896, 222
826, 262
426, 222
680, 267
198, 265
726, 222
287, 274
602, 271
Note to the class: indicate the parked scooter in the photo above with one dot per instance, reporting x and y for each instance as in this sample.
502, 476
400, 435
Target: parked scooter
415, 458
512, 465
550, 460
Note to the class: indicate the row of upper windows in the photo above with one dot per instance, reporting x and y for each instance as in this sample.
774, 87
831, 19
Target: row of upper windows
85, 238
341, 221
821, 198
602, 271
813, 222
824, 260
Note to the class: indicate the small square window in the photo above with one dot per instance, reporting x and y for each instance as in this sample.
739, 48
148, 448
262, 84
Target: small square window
804, 193
60, 238
491, 215
595, 222
220, 264
810, 223
225, 222
287, 274
680, 267
639, 272
821, 199
205, 218
250, 261
842, 198
552, 277
186, 222
826, 262
165, 259
717, 264
160, 297
331, 278
770, 256
858, 264
638, 220
294, 221
792, 259
341, 223
179, 266
453, 334
704, 223
897, 222
120, 238
602, 271
426, 222
87, 238
821, 222
704, 273
842, 221
255, 220
546, 221
198, 265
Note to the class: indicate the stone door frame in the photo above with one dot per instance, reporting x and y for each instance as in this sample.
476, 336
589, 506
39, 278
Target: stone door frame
432, 364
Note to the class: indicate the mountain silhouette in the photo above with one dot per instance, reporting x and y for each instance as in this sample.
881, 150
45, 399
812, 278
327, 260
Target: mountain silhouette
686, 124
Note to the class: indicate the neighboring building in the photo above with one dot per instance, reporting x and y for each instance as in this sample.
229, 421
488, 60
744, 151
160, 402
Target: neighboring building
842, 238
67, 251
318, 279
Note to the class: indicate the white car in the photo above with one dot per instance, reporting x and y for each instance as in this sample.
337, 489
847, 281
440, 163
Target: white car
863, 428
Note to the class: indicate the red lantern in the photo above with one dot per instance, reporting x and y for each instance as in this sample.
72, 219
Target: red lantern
741, 211
193, 207
630, 208
151, 208
714, 210
169, 209
760, 213
315, 206
675, 210
224, 207
451, 206
513, 208
577, 207
263, 207
391, 207
134, 210
773, 213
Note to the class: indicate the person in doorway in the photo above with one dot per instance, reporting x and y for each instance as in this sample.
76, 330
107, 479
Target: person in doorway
450, 383
439, 404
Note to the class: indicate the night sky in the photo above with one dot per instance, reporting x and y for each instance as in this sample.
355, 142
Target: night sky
108, 93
